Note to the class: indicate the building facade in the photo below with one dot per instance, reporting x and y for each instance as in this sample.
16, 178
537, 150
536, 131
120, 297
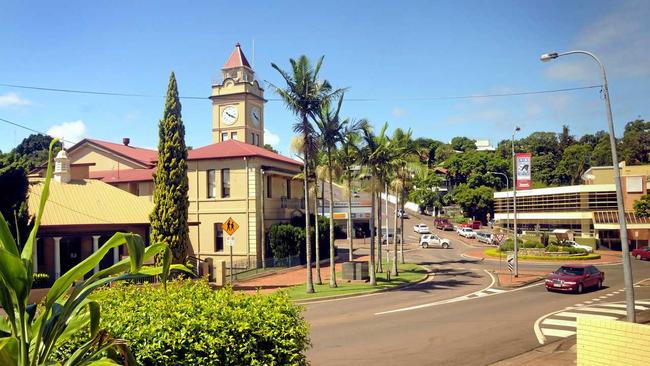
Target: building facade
588, 210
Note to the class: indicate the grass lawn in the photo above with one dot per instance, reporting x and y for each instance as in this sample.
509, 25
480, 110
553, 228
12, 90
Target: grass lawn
408, 272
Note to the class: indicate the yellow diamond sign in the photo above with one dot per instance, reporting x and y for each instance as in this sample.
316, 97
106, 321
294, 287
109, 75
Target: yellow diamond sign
230, 226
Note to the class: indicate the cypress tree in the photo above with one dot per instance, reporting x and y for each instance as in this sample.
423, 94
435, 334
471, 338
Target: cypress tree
171, 202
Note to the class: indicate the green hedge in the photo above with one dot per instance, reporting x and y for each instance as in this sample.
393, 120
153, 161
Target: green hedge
191, 324
494, 252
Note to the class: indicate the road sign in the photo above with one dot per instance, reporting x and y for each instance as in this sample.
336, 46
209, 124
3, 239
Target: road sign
498, 238
230, 226
230, 241
511, 262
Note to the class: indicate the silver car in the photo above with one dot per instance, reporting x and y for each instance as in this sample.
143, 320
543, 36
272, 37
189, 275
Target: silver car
434, 241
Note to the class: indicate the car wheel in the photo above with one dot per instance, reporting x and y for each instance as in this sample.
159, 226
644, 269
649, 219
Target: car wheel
445, 246
638, 256
580, 289
600, 284
425, 245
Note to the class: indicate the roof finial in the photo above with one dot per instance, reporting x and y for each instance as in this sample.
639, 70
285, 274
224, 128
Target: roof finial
237, 44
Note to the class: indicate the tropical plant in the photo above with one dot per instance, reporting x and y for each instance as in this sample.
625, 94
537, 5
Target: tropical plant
348, 158
642, 206
303, 95
331, 128
403, 152
28, 336
171, 203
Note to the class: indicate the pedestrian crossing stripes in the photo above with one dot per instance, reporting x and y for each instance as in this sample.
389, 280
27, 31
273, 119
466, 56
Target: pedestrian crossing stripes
562, 324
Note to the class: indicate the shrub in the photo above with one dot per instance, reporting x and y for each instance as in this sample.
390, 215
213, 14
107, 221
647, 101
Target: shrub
531, 244
191, 324
552, 248
285, 240
507, 246
540, 246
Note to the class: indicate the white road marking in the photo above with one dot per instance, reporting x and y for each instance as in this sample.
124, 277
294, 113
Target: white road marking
564, 323
588, 302
569, 314
623, 306
496, 290
441, 302
607, 311
557, 332
609, 295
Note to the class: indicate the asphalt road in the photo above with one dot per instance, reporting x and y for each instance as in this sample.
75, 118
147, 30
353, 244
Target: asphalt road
456, 317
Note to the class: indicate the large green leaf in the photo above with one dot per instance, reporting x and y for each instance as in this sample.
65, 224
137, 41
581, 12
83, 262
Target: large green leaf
28, 250
6, 300
9, 351
6, 239
64, 283
14, 275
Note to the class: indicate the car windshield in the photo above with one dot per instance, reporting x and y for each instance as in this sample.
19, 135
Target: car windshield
573, 271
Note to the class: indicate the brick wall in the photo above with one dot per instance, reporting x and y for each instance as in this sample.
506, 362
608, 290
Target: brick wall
612, 342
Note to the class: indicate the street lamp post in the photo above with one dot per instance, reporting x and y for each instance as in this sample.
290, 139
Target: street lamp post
507, 201
627, 268
514, 201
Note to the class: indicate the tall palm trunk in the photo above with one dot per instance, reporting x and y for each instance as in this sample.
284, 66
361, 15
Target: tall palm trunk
401, 226
395, 238
371, 259
331, 194
350, 229
318, 281
380, 267
310, 282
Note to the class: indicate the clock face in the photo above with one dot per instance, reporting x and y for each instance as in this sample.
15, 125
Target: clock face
229, 115
256, 116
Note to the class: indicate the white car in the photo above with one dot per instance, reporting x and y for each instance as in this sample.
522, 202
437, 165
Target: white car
571, 243
389, 239
421, 229
433, 241
467, 232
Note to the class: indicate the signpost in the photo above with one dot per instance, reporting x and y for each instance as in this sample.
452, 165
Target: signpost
511, 264
230, 226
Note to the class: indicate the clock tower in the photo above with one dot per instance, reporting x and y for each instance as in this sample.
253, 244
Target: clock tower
238, 103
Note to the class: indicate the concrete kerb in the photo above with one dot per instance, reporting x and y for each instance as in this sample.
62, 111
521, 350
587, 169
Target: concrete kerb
366, 292
537, 278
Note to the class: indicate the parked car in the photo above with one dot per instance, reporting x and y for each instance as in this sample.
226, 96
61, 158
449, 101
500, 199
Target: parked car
402, 213
476, 224
355, 194
575, 278
434, 241
421, 229
443, 224
571, 243
389, 239
484, 237
641, 253
467, 232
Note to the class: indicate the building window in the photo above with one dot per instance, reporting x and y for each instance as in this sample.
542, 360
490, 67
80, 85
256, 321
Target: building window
288, 188
224, 136
258, 139
233, 135
218, 237
253, 138
634, 184
225, 183
269, 185
212, 186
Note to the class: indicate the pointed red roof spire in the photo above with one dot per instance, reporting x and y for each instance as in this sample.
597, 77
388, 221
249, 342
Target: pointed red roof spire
237, 59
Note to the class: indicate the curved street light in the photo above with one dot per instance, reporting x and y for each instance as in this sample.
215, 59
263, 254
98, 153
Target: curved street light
507, 201
627, 268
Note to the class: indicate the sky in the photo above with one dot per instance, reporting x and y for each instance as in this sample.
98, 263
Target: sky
402, 55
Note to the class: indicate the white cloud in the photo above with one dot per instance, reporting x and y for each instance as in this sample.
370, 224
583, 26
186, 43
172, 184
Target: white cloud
398, 112
73, 131
11, 100
271, 138
621, 39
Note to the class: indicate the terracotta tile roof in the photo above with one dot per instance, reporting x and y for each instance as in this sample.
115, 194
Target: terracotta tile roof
123, 175
237, 59
145, 156
235, 149
88, 202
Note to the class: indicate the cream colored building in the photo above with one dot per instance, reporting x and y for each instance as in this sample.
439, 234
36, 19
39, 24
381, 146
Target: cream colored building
232, 178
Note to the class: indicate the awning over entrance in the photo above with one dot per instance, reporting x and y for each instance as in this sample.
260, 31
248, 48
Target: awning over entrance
608, 220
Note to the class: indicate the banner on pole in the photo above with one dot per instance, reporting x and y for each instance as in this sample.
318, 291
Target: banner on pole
524, 178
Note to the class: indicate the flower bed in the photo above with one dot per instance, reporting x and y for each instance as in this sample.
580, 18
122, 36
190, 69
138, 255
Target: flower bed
547, 256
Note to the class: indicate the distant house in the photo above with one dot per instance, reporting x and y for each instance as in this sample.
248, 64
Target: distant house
484, 145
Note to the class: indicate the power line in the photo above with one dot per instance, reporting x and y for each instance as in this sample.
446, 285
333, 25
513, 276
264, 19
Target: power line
33, 130
451, 97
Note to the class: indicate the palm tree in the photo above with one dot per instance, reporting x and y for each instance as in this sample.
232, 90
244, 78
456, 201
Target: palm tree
303, 95
319, 280
331, 127
347, 159
402, 151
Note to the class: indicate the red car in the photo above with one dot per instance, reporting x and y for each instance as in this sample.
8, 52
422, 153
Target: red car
641, 253
575, 278
443, 224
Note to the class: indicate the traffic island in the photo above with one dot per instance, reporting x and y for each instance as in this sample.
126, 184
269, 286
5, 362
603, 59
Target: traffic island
507, 279
495, 253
